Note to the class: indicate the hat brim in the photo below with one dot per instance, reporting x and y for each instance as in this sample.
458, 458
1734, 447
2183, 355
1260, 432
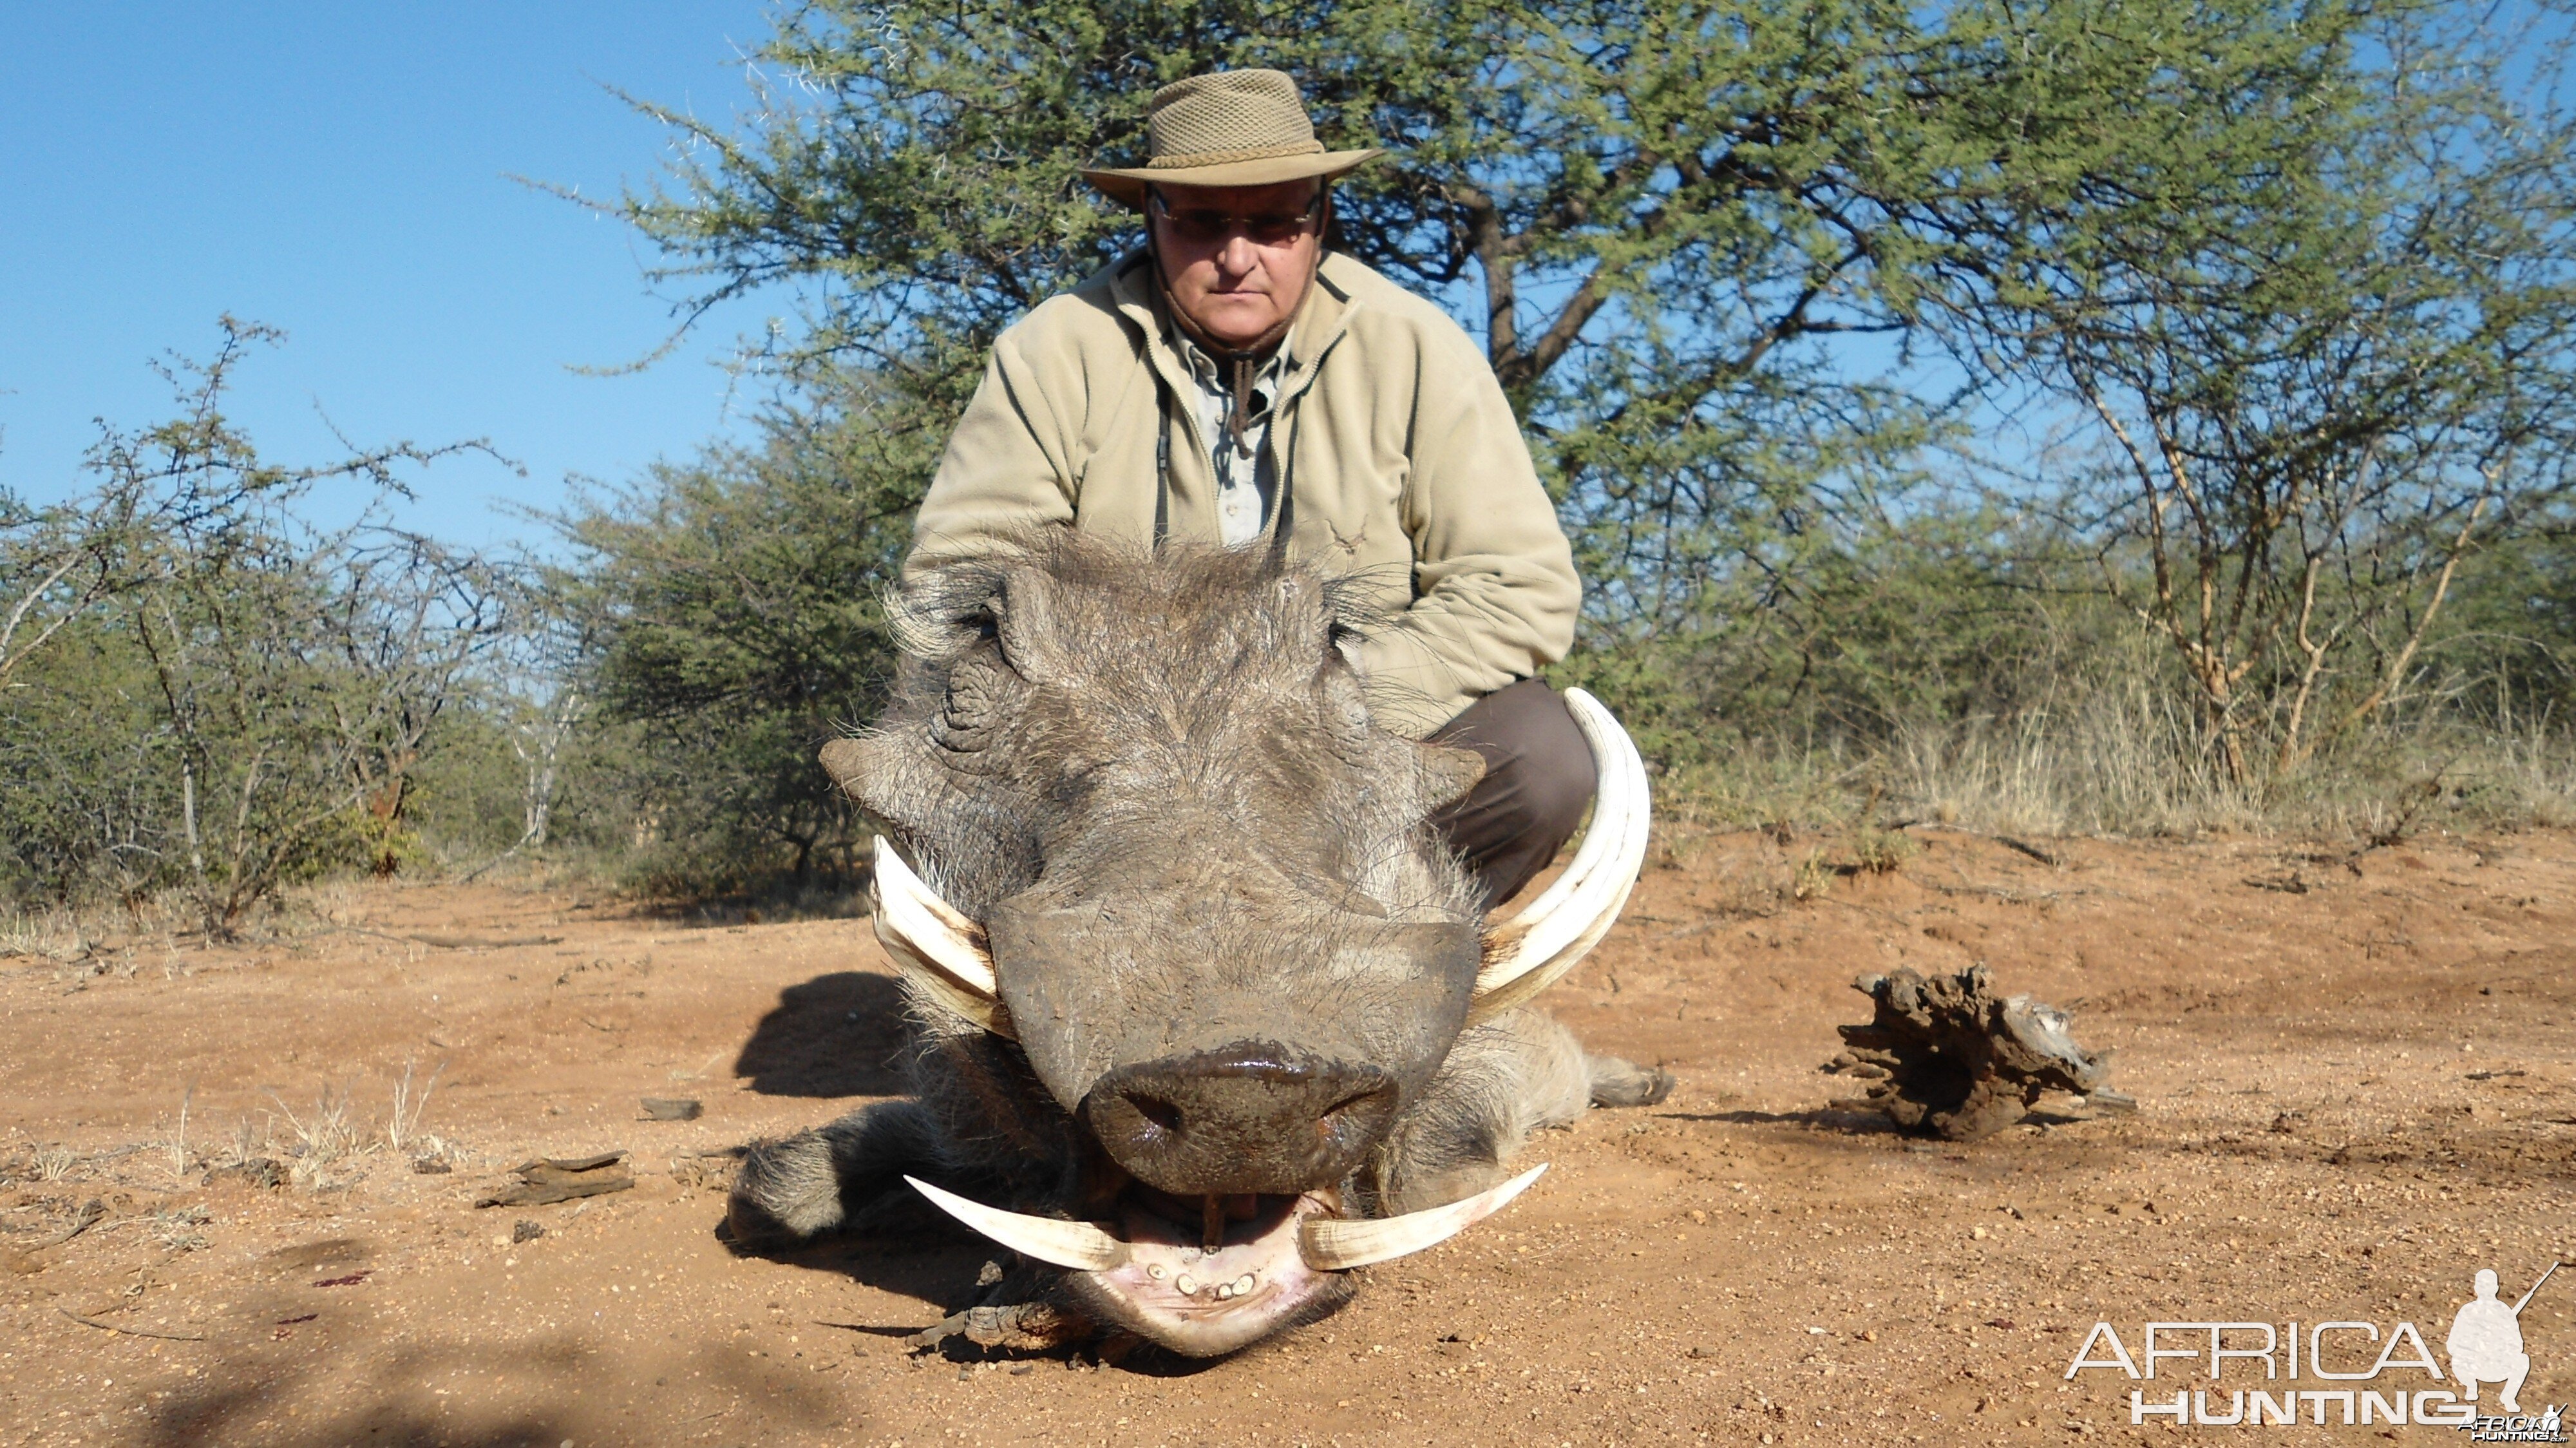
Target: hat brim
1128, 184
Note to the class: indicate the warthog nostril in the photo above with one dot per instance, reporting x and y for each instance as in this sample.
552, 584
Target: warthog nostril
1160, 1116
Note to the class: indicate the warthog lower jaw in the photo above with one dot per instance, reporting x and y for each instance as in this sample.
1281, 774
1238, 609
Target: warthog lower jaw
1174, 1290
1282, 1266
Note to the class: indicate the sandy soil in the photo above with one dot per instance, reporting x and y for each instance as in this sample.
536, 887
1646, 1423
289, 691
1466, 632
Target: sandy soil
2356, 1081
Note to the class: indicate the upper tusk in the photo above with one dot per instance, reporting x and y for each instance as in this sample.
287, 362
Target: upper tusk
1078, 1245
934, 944
1333, 1244
1529, 952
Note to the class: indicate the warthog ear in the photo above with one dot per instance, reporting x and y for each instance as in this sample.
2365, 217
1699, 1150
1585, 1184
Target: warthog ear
1023, 609
1448, 772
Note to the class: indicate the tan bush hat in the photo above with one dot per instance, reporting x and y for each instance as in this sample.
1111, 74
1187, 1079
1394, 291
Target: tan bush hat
1226, 128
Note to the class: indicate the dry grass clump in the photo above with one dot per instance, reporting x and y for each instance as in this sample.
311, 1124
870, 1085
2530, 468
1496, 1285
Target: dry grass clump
330, 1133
52, 932
175, 1228
410, 1099
99, 936
2123, 759
250, 1141
324, 1133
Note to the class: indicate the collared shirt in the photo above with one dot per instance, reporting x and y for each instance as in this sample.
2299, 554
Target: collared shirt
1245, 481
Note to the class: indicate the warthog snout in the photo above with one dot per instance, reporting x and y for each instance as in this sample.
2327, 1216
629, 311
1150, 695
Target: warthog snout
1249, 1117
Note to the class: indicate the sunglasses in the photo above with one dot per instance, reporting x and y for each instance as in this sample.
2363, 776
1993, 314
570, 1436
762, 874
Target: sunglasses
1269, 228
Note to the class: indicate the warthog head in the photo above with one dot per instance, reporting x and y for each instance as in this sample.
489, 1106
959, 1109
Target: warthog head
1185, 955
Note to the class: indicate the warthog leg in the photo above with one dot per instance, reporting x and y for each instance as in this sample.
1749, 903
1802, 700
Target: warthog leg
1516, 1074
827, 1179
1620, 1082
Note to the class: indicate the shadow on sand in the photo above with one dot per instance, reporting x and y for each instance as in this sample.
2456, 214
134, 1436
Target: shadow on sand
1823, 1118
835, 1035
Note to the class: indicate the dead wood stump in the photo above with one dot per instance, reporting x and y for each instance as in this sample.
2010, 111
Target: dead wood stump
1948, 1058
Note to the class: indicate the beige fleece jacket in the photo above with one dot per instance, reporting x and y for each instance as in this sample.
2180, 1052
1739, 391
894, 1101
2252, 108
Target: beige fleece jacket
1400, 462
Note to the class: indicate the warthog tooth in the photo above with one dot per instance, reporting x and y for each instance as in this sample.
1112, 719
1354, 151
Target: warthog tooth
1243, 1284
1188, 1287
1158, 1271
1333, 1244
936, 945
1224, 1291
1527, 953
1078, 1245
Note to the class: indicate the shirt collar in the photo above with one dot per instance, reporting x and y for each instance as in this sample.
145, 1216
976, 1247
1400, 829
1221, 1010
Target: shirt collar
1281, 364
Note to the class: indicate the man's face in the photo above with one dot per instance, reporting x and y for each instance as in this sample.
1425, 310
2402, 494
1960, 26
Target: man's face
1237, 258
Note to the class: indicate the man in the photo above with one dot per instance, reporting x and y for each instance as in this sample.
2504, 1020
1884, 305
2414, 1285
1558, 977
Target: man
2485, 1344
1236, 384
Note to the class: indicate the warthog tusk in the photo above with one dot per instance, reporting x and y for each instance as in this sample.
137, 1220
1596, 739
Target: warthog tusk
935, 945
1333, 1244
1527, 953
1078, 1245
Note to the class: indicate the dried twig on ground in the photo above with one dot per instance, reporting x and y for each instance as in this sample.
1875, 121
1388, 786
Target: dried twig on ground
2045, 857
453, 942
82, 1220
560, 1181
131, 1331
2041, 853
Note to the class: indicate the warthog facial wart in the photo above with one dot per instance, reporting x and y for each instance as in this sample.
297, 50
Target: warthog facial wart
1205, 1015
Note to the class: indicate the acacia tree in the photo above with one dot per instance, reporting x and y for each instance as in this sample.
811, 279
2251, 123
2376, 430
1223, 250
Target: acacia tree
1739, 264
54, 568
2329, 349
732, 605
251, 692
1696, 238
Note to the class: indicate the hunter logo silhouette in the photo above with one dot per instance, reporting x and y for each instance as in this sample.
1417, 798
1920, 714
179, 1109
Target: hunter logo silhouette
2485, 1344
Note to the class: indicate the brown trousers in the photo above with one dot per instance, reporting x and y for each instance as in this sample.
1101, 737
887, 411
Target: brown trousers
1538, 779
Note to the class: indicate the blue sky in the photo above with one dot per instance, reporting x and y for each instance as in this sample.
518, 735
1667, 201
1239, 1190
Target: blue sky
343, 172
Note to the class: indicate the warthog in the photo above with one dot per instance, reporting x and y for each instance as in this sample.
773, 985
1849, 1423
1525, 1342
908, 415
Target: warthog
1196, 993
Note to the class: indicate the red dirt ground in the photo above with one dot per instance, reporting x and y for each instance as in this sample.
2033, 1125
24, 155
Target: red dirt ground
2356, 1082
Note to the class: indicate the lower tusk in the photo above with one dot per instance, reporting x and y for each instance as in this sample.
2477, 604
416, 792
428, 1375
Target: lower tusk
1078, 1245
1332, 1244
